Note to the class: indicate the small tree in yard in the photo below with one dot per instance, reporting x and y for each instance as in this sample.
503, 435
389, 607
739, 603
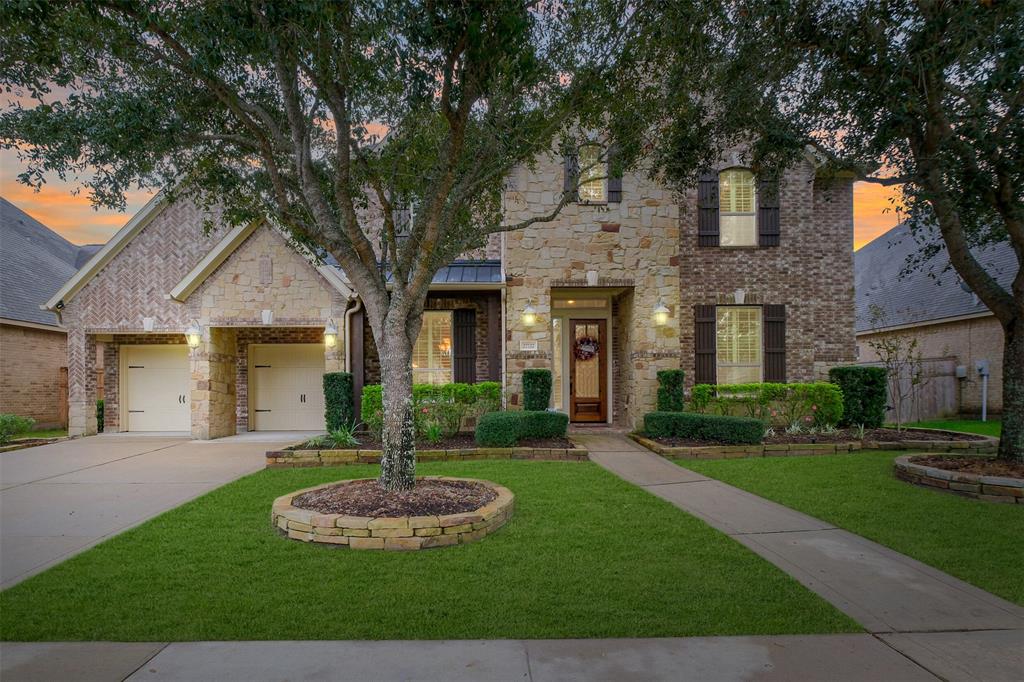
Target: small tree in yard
337, 120
925, 95
900, 355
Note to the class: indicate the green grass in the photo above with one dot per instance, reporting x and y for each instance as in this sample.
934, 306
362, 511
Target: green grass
989, 428
42, 433
979, 542
585, 555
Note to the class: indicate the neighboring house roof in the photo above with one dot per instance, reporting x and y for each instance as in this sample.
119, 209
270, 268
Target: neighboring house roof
929, 293
34, 262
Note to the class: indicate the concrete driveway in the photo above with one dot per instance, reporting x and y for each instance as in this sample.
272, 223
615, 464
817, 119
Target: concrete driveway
57, 500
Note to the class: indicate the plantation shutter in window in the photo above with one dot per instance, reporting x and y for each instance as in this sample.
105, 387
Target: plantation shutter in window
707, 210
614, 175
704, 344
768, 212
571, 176
774, 343
464, 345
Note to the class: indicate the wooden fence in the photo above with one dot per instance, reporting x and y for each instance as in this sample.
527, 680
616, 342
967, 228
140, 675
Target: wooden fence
936, 393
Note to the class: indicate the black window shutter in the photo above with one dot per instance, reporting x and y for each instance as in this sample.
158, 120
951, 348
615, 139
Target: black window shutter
614, 176
571, 176
704, 344
464, 345
768, 212
774, 343
707, 210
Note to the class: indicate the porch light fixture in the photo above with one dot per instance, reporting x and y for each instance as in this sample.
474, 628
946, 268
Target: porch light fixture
661, 312
739, 296
267, 316
193, 335
529, 314
331, 334
147, 324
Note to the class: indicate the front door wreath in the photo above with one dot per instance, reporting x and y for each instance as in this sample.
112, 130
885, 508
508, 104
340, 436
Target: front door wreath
585, 348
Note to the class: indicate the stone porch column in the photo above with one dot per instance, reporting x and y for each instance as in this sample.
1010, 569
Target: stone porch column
81, 383
213, 365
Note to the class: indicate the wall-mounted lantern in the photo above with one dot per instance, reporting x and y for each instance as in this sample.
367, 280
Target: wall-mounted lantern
193, 335
661, 313
739, 296
267, 316
147, 324
331, 334
529, 314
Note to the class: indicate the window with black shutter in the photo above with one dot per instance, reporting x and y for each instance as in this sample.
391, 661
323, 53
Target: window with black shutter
768, 212
775, 343
614, 176
464, 345
571, 175
704, 344
707, 210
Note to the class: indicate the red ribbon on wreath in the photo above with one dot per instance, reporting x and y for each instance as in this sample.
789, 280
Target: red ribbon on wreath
586, 348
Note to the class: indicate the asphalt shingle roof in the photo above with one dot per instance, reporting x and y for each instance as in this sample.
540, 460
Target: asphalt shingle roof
930, 292
35, 262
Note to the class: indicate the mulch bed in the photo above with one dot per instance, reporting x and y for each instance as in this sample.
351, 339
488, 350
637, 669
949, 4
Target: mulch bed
461, 441
982, 466
840, 436
367, 498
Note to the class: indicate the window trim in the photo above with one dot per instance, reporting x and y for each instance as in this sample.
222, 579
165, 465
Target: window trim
436, 370
760, 345
603, 180
753, 213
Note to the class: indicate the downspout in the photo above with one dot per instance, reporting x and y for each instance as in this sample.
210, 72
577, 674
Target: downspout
348, 336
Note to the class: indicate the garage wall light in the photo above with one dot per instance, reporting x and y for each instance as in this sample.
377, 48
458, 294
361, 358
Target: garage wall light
194, 334
661, 313
529, 314
331, 334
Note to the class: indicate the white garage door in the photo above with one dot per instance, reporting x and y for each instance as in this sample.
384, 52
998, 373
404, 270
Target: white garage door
157, 387
286, 385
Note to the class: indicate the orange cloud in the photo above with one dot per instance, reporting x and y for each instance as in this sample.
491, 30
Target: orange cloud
876, 210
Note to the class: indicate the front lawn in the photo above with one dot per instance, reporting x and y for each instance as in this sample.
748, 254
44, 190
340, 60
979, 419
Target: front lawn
989, 428
979, 542
585, 555
42, 433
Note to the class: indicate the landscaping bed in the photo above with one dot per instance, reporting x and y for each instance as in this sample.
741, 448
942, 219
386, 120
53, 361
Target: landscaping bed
983, 478
573, 561
972, 540
461, 441
29, 443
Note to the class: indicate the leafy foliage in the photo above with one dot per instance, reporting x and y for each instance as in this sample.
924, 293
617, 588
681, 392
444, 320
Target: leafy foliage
11, 425
813, 404
100, 415
704, 427
864, 395
536, 389
444, 406
506, 429
339, 406
670, 390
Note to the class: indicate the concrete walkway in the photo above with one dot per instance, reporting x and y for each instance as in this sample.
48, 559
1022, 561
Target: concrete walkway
949, 627
57, 500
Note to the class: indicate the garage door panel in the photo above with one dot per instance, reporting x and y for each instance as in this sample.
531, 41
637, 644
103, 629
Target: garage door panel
157, 388
287, 393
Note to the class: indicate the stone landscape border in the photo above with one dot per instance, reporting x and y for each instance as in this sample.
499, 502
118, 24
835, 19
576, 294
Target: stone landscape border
293, 459
35, 442
988, 488
985, 445
402, 533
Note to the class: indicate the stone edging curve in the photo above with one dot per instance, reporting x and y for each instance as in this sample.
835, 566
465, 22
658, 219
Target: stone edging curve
984, 445
392, 533
988, 488
293, 459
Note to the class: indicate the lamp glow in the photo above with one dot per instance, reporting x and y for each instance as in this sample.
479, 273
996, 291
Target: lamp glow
193, 335
661, 313
331, 334
529, 315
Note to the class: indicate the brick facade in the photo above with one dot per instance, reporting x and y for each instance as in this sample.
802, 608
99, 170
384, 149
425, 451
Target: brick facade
30, 373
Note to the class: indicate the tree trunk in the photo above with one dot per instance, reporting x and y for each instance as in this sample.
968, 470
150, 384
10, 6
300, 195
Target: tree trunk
1011, 444
398, 460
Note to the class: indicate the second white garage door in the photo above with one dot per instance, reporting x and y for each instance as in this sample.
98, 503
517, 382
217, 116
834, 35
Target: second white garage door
286, 387
157, 387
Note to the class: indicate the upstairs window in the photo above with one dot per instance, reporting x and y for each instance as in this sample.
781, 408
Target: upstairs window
738, 345
737, 205
432, 354
593, 175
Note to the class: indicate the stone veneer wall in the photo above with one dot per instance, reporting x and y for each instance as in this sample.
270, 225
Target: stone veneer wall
30, 373
213, 366
632, 244
811, 272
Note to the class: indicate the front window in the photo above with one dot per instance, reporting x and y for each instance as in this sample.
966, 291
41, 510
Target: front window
737, 208
432, 354
738, 343
593, 175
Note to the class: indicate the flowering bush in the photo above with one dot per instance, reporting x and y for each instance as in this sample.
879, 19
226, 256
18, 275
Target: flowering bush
435, 407
812, 404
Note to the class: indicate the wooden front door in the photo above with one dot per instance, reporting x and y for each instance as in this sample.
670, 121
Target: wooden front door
588, 371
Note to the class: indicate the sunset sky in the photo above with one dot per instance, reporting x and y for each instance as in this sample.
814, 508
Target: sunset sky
63, 210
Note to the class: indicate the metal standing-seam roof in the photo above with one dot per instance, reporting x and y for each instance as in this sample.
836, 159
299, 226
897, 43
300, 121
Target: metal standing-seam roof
35, 262
930, 292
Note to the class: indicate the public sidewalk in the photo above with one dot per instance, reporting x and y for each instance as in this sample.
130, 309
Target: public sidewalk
953, 629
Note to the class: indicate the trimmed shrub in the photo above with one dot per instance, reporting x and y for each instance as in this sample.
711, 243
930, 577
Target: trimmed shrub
100, 410
710, 427
505, 429
11, 425
536, 389
499, 429
435, 406
865, 395
811, 404
670, 390
371, 408
339, 410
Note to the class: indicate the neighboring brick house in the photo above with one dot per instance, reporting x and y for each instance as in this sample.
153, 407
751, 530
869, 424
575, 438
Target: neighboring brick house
34, 262
930, 304
619, 286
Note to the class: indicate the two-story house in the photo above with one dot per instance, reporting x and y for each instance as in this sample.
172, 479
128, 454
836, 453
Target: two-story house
737, 280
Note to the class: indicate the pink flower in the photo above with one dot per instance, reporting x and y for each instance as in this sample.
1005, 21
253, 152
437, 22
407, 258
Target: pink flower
424, 410
807, 418
814, 407
774, 413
